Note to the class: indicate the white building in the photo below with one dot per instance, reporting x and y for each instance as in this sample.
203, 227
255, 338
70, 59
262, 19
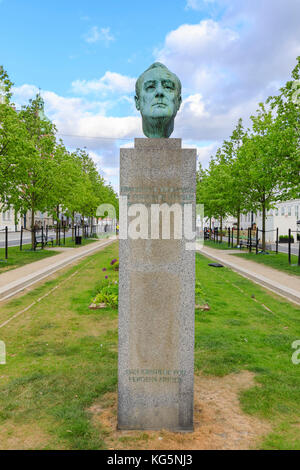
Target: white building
284, 217
7, 219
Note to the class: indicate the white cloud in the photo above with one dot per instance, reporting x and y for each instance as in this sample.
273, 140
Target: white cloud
81, 123
77, 116
110, 82
206, 37
23, 93
228, 65
194, 105
226, 68
94, 35
206, 151
195, 53
109, 172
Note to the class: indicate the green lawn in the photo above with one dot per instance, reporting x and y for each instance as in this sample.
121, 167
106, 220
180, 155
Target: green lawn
62, 357
240, 333
60, 361
218, 246
71, 243
278, 261
17, 258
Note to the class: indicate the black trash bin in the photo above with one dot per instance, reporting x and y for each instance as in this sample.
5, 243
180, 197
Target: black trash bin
78, 240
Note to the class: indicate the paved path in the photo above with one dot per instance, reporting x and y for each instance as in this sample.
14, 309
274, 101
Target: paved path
15, 280
277, 281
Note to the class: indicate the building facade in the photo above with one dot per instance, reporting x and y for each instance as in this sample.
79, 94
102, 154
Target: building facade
284, 217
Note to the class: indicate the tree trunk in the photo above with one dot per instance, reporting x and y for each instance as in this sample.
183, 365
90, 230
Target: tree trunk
238, 228
221, 226
263, 225
16, 220
57, 219
32, 228
73, 223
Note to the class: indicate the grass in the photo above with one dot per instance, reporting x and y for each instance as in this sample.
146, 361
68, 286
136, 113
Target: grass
17, 258
277, 261
240, 333
218, 246
62, 357
71, 243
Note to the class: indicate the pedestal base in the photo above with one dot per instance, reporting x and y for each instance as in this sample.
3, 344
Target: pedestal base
156, 293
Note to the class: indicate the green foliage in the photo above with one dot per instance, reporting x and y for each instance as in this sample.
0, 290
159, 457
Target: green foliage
286, 237
37, 173
287, 107
5, 86
108, 294
256, 168
200, 296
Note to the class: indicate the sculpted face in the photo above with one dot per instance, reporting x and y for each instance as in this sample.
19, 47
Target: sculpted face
158, 99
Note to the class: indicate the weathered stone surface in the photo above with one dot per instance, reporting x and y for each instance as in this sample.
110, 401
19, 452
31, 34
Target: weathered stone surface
156, 295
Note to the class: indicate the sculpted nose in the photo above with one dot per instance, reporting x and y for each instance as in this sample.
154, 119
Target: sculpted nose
159, 90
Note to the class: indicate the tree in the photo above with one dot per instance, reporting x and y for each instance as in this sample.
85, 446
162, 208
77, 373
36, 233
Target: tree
34, 172
287, 107
5, 86
212, 189
90, 190
14, 140
263, 156
236, 174
202, 191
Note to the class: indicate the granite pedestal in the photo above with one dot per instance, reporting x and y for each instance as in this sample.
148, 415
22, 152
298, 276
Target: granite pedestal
156, 290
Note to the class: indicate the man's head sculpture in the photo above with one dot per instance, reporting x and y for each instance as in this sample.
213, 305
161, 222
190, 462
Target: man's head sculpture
158, 98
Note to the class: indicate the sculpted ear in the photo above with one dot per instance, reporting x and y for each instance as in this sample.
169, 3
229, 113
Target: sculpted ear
137, 102
179, 102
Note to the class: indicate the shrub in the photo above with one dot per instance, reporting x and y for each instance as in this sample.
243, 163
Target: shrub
200, 294
109, 294
115, 264
283, 238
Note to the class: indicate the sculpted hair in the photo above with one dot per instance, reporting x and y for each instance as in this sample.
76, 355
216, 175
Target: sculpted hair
156, 65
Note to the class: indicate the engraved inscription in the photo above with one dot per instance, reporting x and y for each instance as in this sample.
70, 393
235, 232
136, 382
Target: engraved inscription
156, 375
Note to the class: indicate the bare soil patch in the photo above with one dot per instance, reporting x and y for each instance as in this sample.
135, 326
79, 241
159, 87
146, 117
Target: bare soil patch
219, 420
22, 437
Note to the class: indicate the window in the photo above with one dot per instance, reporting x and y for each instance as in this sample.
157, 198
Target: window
290, 210
282, 210
276, 211
6, 216
297, 212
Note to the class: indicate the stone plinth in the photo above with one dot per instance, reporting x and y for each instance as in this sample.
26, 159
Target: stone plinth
156, 291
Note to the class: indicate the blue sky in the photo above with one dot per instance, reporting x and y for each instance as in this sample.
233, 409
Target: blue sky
86, 56
46, 43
